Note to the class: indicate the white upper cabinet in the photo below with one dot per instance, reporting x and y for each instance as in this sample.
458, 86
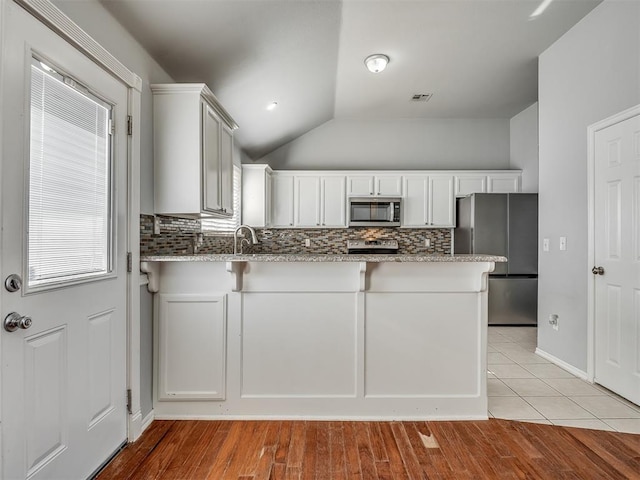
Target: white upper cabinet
317, 199
442, 207
489, 181
503, 183
193, 152
466, 184
282, 200
256, 195
308, 201
306, 204
333, 201
428, 201
365, 185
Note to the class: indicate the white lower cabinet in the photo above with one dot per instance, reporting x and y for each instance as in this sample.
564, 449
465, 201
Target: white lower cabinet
428, 201
191, 347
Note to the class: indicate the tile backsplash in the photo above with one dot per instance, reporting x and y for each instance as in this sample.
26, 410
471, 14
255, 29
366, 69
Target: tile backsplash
177, 236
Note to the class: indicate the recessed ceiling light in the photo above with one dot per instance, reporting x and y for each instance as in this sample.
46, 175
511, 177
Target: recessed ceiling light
272, 106
376, 63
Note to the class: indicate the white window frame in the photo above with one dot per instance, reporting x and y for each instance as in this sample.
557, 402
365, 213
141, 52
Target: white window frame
224, 226
111, 269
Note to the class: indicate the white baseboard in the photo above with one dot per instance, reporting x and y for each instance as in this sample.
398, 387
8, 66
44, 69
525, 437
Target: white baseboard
135, 426
316, 418
146, 421
562, 364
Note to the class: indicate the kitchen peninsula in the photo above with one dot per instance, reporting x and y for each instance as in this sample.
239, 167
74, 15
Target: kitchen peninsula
320, 336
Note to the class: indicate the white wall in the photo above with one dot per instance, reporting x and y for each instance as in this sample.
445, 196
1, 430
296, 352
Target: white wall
100, 24
523, 141
398, 144
590, 73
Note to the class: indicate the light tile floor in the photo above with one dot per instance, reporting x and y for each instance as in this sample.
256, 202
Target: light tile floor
524, 386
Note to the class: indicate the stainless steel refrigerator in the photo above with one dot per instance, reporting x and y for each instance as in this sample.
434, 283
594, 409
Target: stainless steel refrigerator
504, 224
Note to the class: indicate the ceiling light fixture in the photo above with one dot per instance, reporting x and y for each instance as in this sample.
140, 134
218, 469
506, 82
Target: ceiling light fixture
541, 8
272, 106
376, 63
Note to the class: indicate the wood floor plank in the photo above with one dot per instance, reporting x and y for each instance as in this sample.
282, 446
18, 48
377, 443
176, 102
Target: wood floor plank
301, 450
193, 450
365, 451
407, 453
308, 468
337, 453
354, 470
393, 452
227, 451
323, 452
155, 465
128, 460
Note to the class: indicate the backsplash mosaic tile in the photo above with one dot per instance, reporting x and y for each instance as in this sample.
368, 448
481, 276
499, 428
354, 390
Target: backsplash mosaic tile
178, 236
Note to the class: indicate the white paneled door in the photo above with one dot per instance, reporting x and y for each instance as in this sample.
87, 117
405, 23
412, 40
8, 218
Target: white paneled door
617, 255
64, 173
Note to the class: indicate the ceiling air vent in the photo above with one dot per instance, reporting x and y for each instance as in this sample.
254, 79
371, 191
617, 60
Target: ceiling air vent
421, 97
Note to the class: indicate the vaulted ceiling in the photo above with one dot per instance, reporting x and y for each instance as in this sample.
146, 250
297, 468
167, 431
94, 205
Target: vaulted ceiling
477, 57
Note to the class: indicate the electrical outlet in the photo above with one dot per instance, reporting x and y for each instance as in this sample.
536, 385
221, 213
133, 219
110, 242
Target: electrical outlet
427, 242
554, 321
156, 225
545, 244
563, 243
307, 242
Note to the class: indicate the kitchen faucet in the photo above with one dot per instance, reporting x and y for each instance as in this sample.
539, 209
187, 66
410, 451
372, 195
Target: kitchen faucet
254, 239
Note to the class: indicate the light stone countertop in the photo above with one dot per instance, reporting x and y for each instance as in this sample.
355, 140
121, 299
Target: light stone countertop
316, 258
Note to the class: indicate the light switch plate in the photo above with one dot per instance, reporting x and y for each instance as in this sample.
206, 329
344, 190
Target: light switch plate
545, 244
563, 243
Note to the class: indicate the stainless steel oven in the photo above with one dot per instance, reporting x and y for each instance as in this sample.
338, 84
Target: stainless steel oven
375, 211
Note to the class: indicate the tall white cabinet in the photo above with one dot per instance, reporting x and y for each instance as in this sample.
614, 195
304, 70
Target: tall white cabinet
193, 151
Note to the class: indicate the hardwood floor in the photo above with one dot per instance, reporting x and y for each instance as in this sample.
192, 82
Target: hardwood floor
493, 449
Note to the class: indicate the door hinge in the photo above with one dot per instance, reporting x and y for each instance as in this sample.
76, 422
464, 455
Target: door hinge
129, 400
129, 262
129, 125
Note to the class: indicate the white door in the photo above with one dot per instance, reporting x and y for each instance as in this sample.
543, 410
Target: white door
64, 378
617, 252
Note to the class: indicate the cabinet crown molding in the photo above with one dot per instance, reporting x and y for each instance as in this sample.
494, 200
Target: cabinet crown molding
199, 89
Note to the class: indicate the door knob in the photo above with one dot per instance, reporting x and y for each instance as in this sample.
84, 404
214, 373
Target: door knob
597, 271
14, 321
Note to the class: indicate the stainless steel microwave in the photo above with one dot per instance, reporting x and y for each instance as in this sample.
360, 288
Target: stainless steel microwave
375, 211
